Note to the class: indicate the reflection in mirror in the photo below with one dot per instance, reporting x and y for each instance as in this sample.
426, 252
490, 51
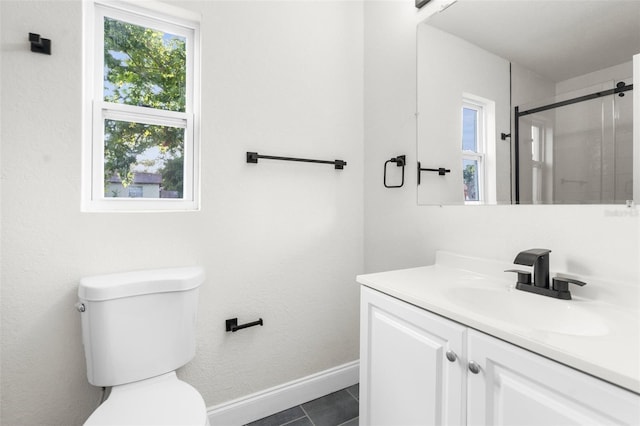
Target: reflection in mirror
576, 150
565, 68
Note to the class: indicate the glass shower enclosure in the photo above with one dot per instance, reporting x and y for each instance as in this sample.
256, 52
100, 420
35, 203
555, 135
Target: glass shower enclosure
576, 148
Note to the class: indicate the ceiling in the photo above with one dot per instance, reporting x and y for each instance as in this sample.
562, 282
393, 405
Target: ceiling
557, 39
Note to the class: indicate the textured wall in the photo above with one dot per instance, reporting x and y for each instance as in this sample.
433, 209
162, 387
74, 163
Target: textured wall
586, 240
282, 241
278, 240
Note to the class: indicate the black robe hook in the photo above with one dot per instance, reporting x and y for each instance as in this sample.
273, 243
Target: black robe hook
40, 45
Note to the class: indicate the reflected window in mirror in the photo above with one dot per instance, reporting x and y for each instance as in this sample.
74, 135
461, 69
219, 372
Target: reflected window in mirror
536, 163
541, 161
472, 153
475, 164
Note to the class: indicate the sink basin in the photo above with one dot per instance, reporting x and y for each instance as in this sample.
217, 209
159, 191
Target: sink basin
530, 311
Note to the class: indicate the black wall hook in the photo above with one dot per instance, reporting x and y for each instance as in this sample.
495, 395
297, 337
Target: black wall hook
40, 45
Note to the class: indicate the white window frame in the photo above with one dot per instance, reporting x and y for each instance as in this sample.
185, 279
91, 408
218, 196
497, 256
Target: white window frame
479, 154
541, 188
162, 17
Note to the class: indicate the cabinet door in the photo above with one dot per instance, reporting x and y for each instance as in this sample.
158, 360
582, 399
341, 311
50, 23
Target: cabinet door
517, 387
405, 376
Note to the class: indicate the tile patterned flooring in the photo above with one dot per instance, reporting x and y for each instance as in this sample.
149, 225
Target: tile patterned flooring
336, 409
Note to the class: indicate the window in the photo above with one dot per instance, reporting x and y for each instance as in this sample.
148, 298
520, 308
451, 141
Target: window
135, 191
541, 138
142, 105
473, 146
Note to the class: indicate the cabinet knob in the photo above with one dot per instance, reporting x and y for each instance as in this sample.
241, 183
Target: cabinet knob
451, 356
473, 367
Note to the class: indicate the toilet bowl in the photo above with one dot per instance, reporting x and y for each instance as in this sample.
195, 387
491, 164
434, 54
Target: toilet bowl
137, 329
163, 400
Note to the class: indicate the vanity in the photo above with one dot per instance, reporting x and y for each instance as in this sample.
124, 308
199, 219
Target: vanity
456, 343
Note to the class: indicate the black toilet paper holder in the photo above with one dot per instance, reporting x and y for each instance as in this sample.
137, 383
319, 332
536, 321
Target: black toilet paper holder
232, 324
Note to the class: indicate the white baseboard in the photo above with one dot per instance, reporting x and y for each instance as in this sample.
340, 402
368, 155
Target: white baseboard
270, 401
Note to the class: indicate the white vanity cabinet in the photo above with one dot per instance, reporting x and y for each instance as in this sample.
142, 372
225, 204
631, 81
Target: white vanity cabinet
416, 369
513, 386
405, 376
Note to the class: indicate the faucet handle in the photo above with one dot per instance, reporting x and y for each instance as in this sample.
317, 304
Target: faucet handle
524, 277
561, 285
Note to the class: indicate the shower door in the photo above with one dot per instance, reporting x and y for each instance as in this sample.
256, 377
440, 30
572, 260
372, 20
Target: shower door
577, 149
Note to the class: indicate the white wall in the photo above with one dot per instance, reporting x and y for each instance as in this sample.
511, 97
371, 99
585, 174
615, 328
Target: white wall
586, 240
281, 241
636, 132
443, 61
585, 82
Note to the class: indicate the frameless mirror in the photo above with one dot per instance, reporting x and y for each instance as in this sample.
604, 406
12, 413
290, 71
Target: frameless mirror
527, 102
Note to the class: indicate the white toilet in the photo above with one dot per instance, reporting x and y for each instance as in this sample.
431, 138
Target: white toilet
137, 329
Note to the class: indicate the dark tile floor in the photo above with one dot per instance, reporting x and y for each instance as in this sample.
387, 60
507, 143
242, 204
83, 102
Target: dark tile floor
336, 409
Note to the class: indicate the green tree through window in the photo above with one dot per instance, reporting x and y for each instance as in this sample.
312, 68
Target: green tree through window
146, 68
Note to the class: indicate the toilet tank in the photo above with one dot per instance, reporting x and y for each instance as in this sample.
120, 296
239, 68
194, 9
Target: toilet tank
137, 325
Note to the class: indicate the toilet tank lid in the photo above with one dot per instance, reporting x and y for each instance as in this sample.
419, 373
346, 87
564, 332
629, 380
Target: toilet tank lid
136, 283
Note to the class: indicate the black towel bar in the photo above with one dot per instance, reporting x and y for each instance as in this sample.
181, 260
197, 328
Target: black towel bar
252, 157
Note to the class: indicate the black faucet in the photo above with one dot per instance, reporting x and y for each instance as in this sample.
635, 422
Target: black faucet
539, 259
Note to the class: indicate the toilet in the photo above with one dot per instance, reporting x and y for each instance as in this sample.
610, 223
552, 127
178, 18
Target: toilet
137, 329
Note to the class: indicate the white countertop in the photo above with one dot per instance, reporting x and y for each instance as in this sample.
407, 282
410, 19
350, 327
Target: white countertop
597, 332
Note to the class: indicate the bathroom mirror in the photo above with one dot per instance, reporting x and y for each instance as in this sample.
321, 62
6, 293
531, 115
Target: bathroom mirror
566, 69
